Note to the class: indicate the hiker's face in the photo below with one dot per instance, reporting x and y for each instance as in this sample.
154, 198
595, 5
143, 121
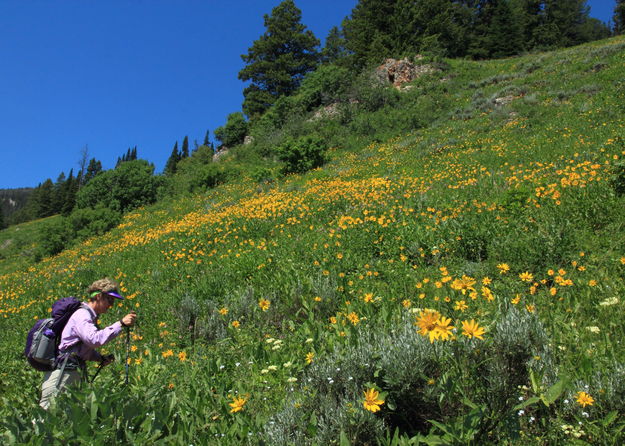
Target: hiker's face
103, 303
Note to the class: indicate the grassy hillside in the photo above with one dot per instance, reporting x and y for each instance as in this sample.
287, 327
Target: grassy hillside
270, 313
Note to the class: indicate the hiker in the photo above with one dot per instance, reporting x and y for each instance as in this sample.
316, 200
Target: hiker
81, 337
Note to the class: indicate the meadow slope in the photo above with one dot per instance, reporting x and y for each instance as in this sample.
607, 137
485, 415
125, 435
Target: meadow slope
469, 272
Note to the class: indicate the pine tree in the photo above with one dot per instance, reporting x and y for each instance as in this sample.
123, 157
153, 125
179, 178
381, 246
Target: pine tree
368, 31
619, 17
206, 140
497, 32
70, 189
185, 148
133, 154
45, 202
58, 196
277, 62
3, 224
94, 168
439, 27
172, 161
564, 20
530, 14
334, 48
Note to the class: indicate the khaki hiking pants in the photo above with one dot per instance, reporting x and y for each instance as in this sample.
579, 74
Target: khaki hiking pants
49, 388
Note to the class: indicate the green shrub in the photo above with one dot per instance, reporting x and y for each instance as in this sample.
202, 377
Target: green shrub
262, 175
325, 85
53, 237
302, 154
423, 381
90, 222
131, 185
233, 133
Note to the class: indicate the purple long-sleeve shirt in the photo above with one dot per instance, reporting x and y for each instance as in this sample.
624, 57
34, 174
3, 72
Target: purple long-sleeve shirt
81, 328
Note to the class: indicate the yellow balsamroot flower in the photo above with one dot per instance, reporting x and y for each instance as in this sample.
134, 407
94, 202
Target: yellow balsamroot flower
371, 402
463, 284
471, 329
460, 305
223, 311
236, 324
168, 353
583, 399
443, 328
503, 268
309, 357
182, 356
433, 325
237, 404
353, 318
264, 304
526, 276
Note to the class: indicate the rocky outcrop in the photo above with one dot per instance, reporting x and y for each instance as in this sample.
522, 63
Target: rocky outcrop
399, 72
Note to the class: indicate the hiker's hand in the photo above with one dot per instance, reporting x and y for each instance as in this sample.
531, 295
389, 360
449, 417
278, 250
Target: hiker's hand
129, 319
106, 360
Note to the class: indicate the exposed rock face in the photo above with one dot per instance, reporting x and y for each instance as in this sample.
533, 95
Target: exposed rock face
399, 72
329, 111
221, 151
248, 140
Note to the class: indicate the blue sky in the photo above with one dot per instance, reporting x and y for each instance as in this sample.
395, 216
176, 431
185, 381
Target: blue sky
115, 74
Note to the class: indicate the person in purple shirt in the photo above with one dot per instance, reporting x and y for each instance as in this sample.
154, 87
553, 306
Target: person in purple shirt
81, 337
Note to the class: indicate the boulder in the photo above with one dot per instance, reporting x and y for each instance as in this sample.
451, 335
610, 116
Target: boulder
399, 72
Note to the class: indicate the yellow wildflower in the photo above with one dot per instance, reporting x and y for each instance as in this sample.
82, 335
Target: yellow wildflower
460, 305
471, 329
584, 399
264, 304
237, 404
503, 268
371, 402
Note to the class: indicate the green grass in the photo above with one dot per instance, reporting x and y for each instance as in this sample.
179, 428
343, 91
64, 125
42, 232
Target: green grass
448, 188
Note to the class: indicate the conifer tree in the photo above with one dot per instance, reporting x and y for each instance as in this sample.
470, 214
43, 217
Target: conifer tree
94, 168
185, 148
334, 48
497, 32
277, 62
45, 199
368, 31
563, 23
70, 188
172, 161
206, 140
3, 224
619, 17
58, 196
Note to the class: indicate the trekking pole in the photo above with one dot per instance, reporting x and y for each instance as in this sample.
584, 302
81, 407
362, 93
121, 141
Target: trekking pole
127, 351
97, 371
